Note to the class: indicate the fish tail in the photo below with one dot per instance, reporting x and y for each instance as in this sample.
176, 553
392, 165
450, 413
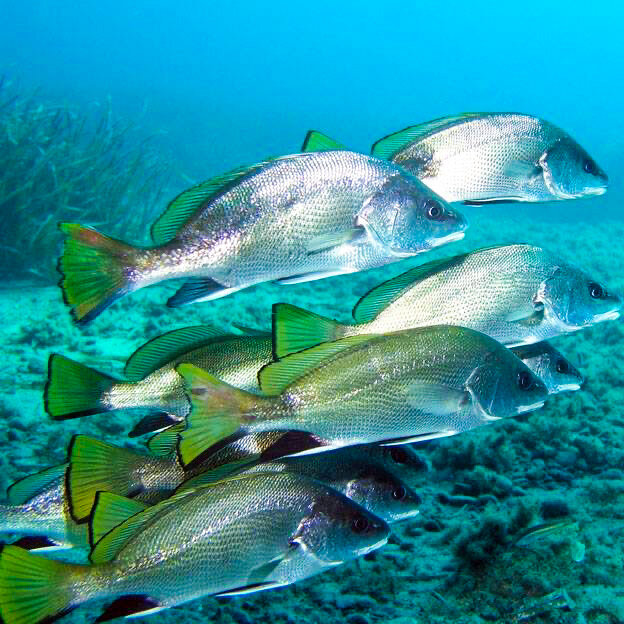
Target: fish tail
95, 270
35, 589
218, 411
75, 390
296, 329
97, 466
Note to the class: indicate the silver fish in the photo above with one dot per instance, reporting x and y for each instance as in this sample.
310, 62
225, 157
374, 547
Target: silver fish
400, 387
355, 472
370, 475
550, 366
517, 294
478, 158
151, 381
244, 534
38, 510
296, 218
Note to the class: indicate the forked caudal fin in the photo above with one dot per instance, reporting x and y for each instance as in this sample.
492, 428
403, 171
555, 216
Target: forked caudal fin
217, 412
73, 389
35, 589
38, 590
296, 329
94, 269
97, 466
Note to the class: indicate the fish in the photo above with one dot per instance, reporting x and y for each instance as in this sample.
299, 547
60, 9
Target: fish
350, 471
37, 510
50, 508
551, 367
481, 158
151, 382
545, 530
291, 219
237, 536
401, 461
372, 476
392, 388
517, 294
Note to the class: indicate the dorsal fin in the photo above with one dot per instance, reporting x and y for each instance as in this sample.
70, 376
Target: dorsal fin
276, 376
316, 141
225, 471
28, 487
111, 511
375, 300
113, 542
185, 205
163, 349
109, 546
165, 443
387, 147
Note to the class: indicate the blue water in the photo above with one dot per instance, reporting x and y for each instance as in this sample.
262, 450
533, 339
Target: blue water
223, 84
231, 83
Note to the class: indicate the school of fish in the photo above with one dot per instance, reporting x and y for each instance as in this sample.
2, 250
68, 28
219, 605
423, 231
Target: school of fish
273, 457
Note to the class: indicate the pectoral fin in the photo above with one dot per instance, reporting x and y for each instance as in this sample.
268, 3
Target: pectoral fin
523, 169
257, 577
335, 239
437, 399
522, 317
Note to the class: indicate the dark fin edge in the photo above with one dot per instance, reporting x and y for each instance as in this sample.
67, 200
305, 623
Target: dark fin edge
129, 604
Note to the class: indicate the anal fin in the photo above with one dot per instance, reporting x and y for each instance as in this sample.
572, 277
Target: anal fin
308, 277
153, 423
41, 544
418, 438
199, 289
248, 589
130, 606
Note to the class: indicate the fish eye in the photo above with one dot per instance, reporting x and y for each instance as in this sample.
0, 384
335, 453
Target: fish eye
596, 291
589, 166
398, 455
359, 524
399, 494
562, 366
433, 209
524, 380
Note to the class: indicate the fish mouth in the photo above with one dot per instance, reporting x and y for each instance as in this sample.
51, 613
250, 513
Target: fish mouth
570, 387
449, 238
523, 409
606, 316
404, 514
596, 190
364, 551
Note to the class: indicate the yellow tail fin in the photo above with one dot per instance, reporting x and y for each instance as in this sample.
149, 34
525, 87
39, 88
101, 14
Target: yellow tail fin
296, 329
34, 589
73, 389
94, 269
217, 412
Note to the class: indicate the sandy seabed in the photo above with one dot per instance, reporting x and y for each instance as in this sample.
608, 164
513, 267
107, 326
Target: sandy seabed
457, 561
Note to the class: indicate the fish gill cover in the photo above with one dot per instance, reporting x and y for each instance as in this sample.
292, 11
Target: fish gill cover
518, 521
